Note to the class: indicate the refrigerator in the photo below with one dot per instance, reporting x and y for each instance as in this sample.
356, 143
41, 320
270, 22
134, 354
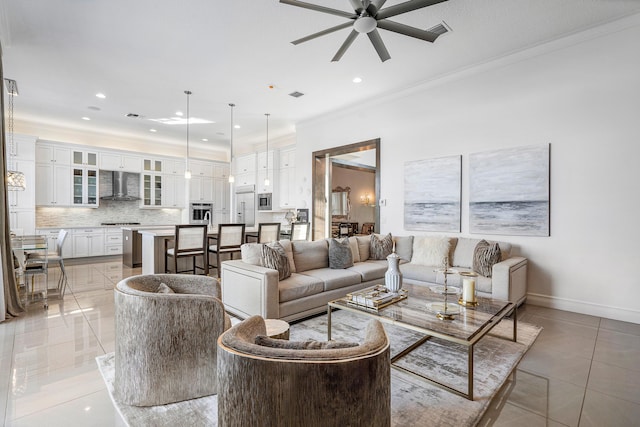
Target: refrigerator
246, 205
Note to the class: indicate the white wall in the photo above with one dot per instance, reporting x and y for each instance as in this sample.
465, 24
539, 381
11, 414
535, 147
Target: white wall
581, 94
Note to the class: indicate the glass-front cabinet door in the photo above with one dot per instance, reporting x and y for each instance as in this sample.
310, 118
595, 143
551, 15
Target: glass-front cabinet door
151, 190
85, 187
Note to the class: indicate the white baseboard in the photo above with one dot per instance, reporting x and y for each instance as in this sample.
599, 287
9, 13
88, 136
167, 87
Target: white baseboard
608, 312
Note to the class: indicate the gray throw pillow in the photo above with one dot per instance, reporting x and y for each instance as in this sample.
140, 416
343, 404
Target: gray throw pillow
302, 345
274, 256
340, 255
485, 256
380, 248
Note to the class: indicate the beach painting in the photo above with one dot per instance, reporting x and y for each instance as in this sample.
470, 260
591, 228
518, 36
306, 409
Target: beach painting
509, 191
432, 190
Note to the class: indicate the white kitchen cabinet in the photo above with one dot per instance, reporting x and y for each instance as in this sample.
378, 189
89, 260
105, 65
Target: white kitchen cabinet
260, 186
85, 187
174, 166
173, 191
152, 165
201, 189
24, 199
84, 158
220, 194
286, 197
221, 170
49, 153
286, 175
201, 168
23, 147
88, 242
53, 184
245, 164
262, 161
22, 221
113, 241
120, 162
245, 179
151, 190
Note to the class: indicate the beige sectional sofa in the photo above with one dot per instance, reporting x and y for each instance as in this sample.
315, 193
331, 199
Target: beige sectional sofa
249, 289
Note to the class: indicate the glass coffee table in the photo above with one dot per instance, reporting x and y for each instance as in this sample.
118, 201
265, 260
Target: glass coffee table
466, 328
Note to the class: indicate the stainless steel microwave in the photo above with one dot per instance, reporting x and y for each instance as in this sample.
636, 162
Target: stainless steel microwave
264, 201
200, 213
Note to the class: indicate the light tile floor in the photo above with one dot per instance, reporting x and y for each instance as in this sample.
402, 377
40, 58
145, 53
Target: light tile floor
581, 371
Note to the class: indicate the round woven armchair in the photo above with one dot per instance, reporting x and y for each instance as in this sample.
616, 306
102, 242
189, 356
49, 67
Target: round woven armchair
269, 382
166, 331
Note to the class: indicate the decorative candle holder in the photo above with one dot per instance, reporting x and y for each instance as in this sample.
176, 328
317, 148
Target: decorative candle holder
468, 297
445, 310
393, 276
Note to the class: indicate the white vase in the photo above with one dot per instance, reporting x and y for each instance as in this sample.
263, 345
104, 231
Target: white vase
393, 276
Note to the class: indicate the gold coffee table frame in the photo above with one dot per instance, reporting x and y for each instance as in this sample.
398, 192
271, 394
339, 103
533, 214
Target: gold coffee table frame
466, 329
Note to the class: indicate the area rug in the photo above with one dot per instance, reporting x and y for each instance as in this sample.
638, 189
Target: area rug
413, 401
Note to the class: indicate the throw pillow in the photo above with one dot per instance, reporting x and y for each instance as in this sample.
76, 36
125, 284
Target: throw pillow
163, 288
485, 256
430, 250
275, 257
302, 345
340, 255
380, 248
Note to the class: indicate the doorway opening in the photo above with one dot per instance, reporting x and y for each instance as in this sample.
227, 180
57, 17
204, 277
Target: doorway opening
356, 166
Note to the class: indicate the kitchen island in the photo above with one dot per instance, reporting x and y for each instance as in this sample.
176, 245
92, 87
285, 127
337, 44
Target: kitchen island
153, 248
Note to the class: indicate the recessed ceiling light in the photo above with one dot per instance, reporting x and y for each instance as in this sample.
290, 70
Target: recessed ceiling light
101, 95
236, 126
179, 113
204, 140
357, 80
152, 130
86, 118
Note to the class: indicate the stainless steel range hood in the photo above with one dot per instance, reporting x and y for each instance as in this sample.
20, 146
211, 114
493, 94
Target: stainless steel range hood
119, 187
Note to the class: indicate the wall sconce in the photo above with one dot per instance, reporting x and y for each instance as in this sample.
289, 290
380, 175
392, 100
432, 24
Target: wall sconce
365, 199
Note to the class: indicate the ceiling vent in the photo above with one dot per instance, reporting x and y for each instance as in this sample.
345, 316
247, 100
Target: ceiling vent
133, 115
296, 94
12, 87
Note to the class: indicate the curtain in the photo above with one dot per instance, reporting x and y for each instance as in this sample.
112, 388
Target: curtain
9, 301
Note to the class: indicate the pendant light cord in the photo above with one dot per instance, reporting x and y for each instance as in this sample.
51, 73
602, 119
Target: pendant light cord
188, 93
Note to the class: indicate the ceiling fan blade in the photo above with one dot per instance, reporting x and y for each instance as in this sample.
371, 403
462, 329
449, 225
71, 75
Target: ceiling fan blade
405, 7
407, 30
375, 6
350, 38
378, 44
317, 8
357, 6
322, 33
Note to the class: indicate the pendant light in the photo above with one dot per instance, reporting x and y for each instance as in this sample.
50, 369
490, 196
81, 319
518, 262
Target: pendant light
187, 171
15, 180
231, 177
266, 178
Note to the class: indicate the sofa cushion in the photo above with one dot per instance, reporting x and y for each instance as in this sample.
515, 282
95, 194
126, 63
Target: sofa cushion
340, 255
163, 288
404, 247
355, 253
310, 255
418, 272
363, 247
430, 250
274, 256
485, 256
251, 253
505, 249
463, 254
288, 248
370, 270
380, 248
299, 286
335, 279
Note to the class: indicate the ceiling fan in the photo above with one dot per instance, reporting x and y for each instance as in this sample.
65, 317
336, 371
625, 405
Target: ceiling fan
367, 17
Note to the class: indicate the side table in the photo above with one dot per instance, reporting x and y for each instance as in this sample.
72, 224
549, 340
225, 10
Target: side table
277, 328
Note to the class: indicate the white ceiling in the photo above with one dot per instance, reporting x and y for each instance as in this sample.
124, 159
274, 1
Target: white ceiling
143, 54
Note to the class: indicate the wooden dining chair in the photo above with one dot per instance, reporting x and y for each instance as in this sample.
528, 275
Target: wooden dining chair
190, 241
268, 232
228, 241
300, 231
